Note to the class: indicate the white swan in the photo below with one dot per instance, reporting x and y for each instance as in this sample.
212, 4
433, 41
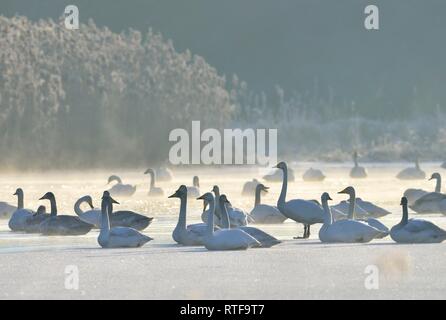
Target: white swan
370, 221
413, 195
117, 237
373, 211
264, 213
277, 176
18, 219
345, 231
224, 239
62, 225
433, 202
416, 230
249, 188
193, 234
303, 211
357, 171
153, 191
237, 217
120, 189
313, 175
121, 218
164, 174
33, 222
194, 190
266, 240
413, 173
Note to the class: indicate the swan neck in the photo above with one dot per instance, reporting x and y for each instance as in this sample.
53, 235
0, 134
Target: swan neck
53, 206
211, 217
152, 179
283, 192
20, 201
105, 222
182, 218
438, 184
351, 206
405, 215
224, 216
257, 200
77, 206
328, 218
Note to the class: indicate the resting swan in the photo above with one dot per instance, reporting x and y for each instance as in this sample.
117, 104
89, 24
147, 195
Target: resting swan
62, 225
413, 195
121, 218
264, 213
249, 188
413, 173
153, 191
33, 223
266, 240
120, 189
303, 211
277, 176
357, 171
313, 175
345, 231
18, 219
416, 230
117, 237
370, 221
194, 190
224, 239
193, 234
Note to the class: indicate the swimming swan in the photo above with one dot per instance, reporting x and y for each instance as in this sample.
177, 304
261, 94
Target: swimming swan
264, 213
120, 189
266, 240
62, 225
120, 218
345, 231
413, 195
193, 234
18, 219
117, 237
357, 171
313, 175
224, 239
303, 211
416, 230
370, 221
194, 190
413, 173
153, 191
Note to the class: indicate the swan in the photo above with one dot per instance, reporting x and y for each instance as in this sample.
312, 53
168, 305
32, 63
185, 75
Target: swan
264, 213
164, 174
62, 225
433, 202
357, 171
413, 195
266, 240
277, 176
194, 190
120, 189
249, 188
237, 216
117, 237
193, 234
121, 218
303, 211
343, 208
224, 239
6, 210
413, 173
372, 209
313, 175
416, 230
33, 222
154, 191
18, 219
346, 231
370, 221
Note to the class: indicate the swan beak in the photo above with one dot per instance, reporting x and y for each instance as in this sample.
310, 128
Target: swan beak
276, 166
343, 191
431, 178
173, 195
15, 193
265, 189
200, 198
329, 198
43, 198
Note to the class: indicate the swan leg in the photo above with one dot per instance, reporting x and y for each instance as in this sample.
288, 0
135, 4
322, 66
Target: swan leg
305, 233
308, 232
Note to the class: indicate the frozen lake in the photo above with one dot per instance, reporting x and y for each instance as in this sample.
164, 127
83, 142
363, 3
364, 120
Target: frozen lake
33, 266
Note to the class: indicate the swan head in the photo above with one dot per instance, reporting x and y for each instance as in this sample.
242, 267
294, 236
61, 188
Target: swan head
403, 201
216, 189
48, 196
262, 187
106, 196
149, 171
207, 197
180, 193
435, 175
114, 178
19, 191
223, 199
325, 197
196, 181
40, 210
349, 190
281, 165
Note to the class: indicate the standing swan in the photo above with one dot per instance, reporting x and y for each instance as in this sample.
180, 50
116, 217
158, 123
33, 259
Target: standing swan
346, 231
264, 213
62, 225
303, 211
224, 239
154, 191
357, 171
413, 195
414, 173
120, 189
370, 221
416, 230
192, 235
19, 217
194, 190
117, 237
